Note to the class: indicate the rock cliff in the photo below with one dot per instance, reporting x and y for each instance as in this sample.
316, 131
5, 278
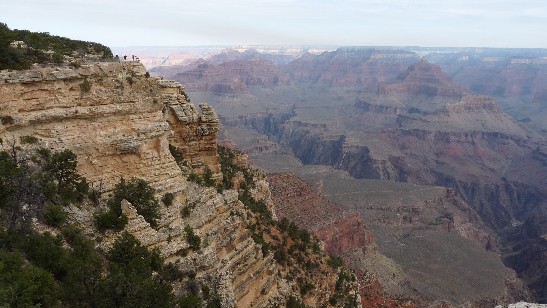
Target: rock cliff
340, 230
121, 122
112, 117
423, 78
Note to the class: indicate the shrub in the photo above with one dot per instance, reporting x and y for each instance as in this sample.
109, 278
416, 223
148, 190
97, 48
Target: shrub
304, 285
208, 178
109, 219
280, 255
176, 153
170, 272
47, 252
293, 302
190, 300
85, 86
193, 239
38, 44
131, 281
24, 285
58, 58
168, 199
335, 261
147, 75
193, 177
6, 120
258, 207
129, 80
140, 194
54, 215
28, 139
69, 185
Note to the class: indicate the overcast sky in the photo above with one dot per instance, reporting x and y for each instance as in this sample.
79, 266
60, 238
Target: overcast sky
463, 23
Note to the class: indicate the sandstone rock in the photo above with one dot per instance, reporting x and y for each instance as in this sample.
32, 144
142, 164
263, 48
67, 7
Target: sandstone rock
118, 130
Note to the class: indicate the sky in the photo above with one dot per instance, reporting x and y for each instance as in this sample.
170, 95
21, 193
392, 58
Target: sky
427, 23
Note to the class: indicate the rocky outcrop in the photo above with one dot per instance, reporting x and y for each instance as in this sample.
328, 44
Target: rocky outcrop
470, 103
339, 229
116, 123
350, 67
423, 78
120, 123
515, 77
231, 77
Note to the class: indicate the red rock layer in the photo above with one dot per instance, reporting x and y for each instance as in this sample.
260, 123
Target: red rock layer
340, 230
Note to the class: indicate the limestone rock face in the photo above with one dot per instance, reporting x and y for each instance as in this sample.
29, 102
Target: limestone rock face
120, 124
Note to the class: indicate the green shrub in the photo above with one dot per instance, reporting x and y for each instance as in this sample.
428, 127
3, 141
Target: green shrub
24, 285
140, 194
214, 302
335, 261
168, 199
170, 272
176, 153
47, 252
54, 215
304, 285
38, 45
190, 300
28, 139
131, 281
293, 302
85, 86
61, 167
58, 58
258, 207
208, 178
193, 177
280, 255
105, 220
193, 239
185, 212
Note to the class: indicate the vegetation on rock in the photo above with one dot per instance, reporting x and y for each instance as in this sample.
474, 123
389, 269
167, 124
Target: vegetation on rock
294, 249
42, 48
65, 269
137, 192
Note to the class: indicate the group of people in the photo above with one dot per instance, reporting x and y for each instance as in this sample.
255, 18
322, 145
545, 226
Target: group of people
135, 58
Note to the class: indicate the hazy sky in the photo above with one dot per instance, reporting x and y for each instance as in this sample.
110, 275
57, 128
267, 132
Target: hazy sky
477, 23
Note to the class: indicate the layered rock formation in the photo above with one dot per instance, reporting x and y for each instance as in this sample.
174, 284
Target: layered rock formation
340, 230
233, 77
345, 67
423, 78
384, 114
120, 123
117, 125
515, 77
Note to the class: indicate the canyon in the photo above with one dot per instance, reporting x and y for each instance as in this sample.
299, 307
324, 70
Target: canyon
422, 170
121, 123
391, 115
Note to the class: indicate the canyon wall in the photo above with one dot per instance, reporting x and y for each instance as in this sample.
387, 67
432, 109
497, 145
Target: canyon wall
120, 122
340, 230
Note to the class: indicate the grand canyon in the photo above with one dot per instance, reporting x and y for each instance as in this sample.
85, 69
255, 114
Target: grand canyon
268, 176
441, 152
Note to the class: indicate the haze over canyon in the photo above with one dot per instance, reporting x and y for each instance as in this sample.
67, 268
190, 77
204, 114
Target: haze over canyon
441, 151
